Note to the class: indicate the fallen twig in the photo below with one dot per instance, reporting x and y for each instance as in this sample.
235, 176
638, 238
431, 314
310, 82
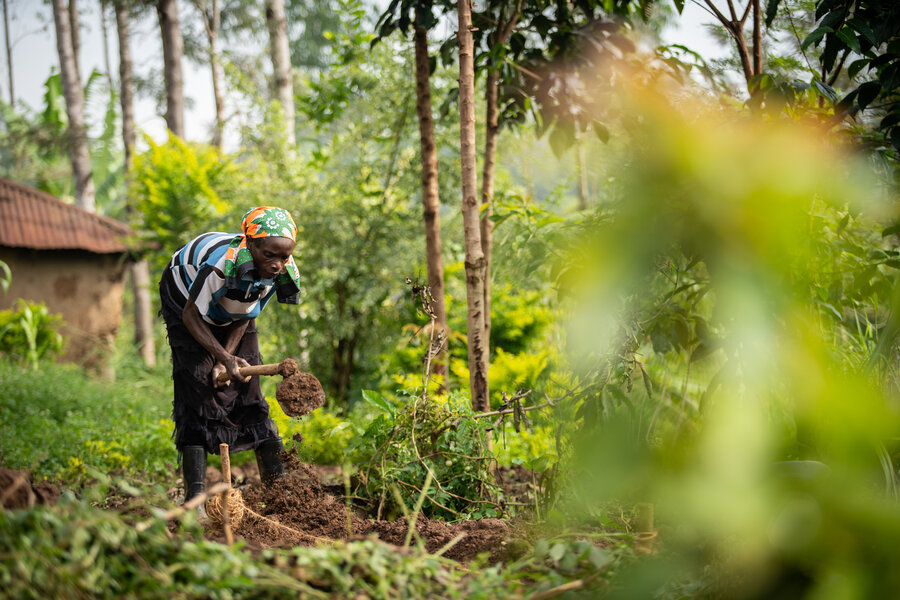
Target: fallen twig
174, 513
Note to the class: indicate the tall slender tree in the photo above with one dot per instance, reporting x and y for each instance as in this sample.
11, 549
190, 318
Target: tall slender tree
477, 344
140, 270
9, 61
75, 28
276, 22
173, 51
211, 15
77, 132
104, 5
430, 199
504, 24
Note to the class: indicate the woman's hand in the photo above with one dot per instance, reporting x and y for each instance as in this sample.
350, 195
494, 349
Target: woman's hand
231, 365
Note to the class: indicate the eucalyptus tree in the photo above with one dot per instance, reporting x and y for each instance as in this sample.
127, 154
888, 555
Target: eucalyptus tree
173, 52
276, 21
9, 60
478, 344
211, 16
74, 94
140, 270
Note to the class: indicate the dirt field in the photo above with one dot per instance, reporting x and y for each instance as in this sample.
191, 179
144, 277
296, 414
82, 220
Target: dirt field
298, 510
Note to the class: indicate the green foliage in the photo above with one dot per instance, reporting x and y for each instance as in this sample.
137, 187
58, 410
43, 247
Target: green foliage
411, 436
326, 437
5, 277
75, 550
29, 333
533, 448
61, 424
177, 187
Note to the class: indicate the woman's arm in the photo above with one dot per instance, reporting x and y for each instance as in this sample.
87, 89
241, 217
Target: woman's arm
223, 354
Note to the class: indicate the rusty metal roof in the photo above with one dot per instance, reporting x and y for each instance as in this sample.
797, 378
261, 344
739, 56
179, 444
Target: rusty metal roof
30, 218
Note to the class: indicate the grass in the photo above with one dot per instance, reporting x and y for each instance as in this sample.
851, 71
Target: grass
56, 421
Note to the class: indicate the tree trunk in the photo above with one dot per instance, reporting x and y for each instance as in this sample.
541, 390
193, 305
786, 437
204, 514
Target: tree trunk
502, 32
211, 21
75, 29
77, 133
126, 80
173, 50
9, 61
492, 129
757, 39
281, 64
477, 344
105, 34
743, 52
342, 368
140, 271
584, 192
431, 204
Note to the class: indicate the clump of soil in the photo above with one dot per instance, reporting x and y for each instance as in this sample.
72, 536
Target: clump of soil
297, 510
298, 393
17, 490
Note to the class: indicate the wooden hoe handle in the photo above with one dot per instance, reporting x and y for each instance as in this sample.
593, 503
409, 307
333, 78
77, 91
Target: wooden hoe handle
272, 369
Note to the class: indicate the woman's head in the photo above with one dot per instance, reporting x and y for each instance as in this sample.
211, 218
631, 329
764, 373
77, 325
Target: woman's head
271, 236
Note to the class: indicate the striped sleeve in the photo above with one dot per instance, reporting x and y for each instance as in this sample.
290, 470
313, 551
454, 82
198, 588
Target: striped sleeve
207, 288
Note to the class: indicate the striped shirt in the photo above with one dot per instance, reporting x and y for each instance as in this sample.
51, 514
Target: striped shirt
198, 269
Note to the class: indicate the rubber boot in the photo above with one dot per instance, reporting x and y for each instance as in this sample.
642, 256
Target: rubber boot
193, 468
268, 459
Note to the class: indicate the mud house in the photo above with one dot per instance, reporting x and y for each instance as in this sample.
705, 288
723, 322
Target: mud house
72, 260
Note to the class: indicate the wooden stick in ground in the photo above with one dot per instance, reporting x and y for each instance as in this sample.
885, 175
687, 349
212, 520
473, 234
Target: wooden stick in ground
226, 477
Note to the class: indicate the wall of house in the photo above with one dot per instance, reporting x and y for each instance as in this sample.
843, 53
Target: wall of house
85, 288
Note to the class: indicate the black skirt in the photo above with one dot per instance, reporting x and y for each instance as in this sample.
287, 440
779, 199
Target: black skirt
238, 414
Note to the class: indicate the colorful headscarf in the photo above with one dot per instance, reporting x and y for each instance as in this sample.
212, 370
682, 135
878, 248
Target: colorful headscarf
264, 221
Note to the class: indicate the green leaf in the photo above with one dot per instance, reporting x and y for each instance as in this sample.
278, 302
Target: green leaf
557, 552
378, 401
848, 37
561, 139
541, 547
856, 66
892, 230
843, 224
601, 131
679, 6
771, 11
868, 92
599, 558
863, 28
815, 36
824, 90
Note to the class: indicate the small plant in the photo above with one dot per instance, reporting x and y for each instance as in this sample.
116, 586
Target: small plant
414, 436
30, 332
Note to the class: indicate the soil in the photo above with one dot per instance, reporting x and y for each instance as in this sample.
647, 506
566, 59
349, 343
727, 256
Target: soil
298, 393
18, 491
298, 510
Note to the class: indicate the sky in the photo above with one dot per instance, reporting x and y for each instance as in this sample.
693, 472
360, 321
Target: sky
34, 55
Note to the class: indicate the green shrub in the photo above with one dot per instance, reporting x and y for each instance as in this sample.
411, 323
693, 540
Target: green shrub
534, 449
410, 437
326, 437
29, 333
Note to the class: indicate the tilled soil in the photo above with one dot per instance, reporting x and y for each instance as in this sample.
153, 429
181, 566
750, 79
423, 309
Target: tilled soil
18, 491
297, 510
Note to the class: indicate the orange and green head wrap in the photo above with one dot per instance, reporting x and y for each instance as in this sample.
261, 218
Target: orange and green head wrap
260, 222
265, 221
